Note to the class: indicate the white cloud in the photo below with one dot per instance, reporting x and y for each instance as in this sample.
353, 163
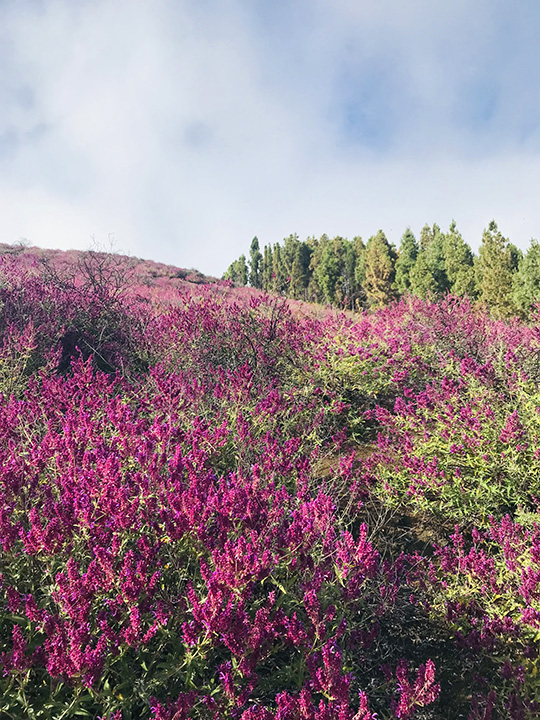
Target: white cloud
185, 128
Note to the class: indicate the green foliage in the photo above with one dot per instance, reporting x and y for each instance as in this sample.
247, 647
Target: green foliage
458, 263
422, 282
408, 253
325, 268
359, 269
380, 273
279, 276
300, 273
350, 275
266, 269
334, 271
428, 276
238, 271
516, 256
255, 264
526, 282
494, 272
288, 253
463, 464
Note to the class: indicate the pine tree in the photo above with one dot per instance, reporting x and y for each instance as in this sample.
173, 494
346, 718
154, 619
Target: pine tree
242, 270
300, 274
426, 237
379, 266
328, 272
267, 269
359, 297
350, 289
436, 261
516, 256
422, 281
237, 271
288, 253
494, 274
255, 264
317, 247
526, 281
428, 277
343, 252
459, 263
279, 279
408, 253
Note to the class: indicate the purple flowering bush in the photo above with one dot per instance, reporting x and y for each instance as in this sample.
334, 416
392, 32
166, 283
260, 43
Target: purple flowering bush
214, 504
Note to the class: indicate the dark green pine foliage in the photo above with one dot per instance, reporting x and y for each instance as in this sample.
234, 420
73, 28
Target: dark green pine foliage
333, 271
300, 273
494, 270
459, 263
380, 272
288, 253
428, 276
360, 298
327, 270
314, 292
238, 271
421, 280
317, 247
255, 264
267, 267
360, 259
407, 255
345, 287
279, 277
526, 281
350, 290
516, 256
436, 260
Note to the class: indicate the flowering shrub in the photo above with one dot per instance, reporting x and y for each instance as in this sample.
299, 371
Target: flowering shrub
216, 529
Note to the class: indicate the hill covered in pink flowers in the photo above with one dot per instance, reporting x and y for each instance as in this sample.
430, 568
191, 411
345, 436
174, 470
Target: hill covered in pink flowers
218, 503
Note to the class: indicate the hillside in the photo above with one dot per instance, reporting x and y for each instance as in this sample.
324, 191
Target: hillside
218, 503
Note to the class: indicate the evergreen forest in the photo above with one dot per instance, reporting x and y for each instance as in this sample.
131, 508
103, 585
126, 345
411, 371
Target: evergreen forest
353, 275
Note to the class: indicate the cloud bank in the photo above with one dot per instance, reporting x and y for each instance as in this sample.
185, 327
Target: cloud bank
187, 127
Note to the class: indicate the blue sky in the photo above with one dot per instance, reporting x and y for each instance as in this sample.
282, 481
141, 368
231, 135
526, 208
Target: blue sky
183, 128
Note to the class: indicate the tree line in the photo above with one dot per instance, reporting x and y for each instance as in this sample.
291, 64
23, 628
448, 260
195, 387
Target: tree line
354, 275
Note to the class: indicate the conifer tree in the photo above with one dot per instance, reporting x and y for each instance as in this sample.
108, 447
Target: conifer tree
436, 260
359, 273
242, 270
349, 286
426, 236
288, 253
333, 269
494, 274
360, 256
267, 269
328, 272
459, 263
422, 281
428, 276
317, 247
255, 264
300, 274
237, 271
407, 255
380, 273
526, 281
516, 256
279, 279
